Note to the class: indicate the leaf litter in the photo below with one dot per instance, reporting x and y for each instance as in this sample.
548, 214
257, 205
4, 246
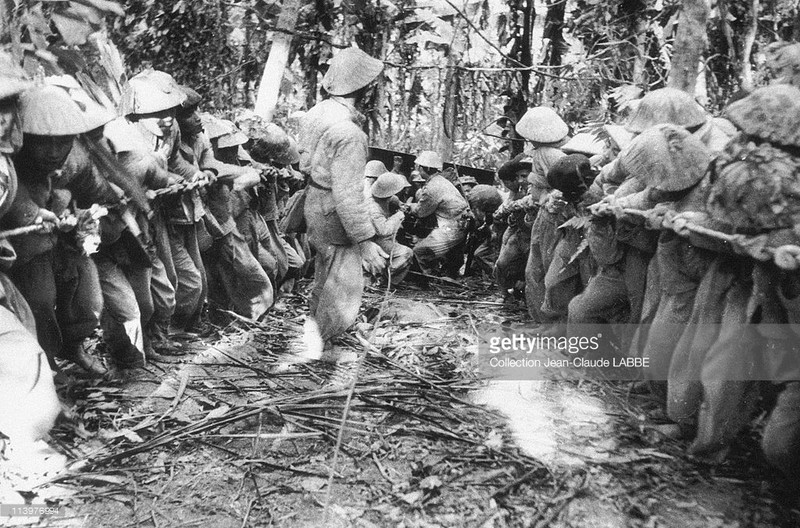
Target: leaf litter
219, 439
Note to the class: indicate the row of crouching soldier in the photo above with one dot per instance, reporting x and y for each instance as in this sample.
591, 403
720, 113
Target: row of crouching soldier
127, 224
683, 249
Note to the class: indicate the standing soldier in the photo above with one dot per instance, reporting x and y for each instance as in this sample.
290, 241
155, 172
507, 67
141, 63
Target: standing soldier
333, 151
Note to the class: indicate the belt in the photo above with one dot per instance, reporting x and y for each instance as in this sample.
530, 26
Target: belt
312, 183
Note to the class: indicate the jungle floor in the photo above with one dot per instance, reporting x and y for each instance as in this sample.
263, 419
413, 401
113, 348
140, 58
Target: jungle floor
229, 434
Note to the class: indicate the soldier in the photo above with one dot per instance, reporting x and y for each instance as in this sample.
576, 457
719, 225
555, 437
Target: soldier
384, 209
545, 131
333, 152
59, 282
623, 248
439, 198
516, 239
569, 270
467, 183
122, 263
246, 285
133, 277
151, 101
483, 246
274, 152
373, 169
28, 401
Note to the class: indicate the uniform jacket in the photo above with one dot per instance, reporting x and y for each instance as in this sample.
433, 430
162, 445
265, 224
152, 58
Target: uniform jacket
333, 150
440, 197
385, 223
185, 208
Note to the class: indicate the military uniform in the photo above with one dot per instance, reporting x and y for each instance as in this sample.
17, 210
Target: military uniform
336, 216
386, 225
439, 197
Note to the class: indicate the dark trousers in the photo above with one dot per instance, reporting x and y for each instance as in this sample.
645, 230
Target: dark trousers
63, 291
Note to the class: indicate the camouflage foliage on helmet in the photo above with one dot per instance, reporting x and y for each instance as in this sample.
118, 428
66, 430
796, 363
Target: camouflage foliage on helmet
666, 157
771, 113
757, 187
783, 59
666, 105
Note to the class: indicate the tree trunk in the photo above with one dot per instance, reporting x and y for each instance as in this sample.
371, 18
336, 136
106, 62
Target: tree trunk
724, 11
796, 27
518, 98
554, 35
747, 47
269, 89
690, 44
451, 91
553, 30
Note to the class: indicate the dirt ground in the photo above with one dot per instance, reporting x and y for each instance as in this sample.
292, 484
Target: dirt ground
229, 434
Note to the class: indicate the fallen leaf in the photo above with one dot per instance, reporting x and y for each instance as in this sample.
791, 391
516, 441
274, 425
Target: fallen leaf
411, 497
218, 412
313, 483
431, 482
494, 440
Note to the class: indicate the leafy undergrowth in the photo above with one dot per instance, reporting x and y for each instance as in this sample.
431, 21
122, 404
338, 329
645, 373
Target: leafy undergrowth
230, 434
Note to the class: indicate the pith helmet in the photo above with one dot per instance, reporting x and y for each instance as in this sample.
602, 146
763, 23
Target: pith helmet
213, 126
388, 184
485, 197
151, 91
349, 70
618, 135
666, 105
192, 97
270, 143
374, 169
584, 143
429, 158
756, 187
666, 157
771, 113
542, 125
233, 137
784, 61
49, 111
94, 114
12, 77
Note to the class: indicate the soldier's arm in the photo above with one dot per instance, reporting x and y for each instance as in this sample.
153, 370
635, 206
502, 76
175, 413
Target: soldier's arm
428, 202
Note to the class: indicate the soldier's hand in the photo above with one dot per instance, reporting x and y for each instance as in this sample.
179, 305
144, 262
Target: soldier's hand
373, 257
787, 257
46, 216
